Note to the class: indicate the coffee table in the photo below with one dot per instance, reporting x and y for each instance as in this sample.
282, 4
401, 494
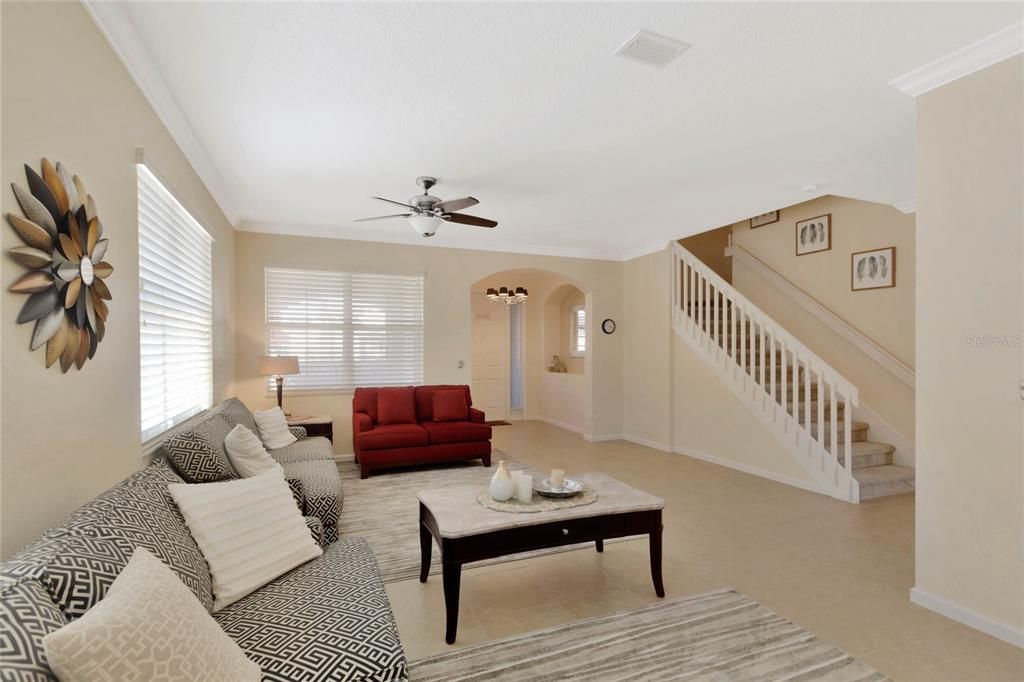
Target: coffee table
467, 532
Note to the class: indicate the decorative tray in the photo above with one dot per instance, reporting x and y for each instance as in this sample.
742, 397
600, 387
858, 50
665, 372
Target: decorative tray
568, 488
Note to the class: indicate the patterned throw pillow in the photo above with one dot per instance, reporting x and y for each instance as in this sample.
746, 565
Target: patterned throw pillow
148, 627
196, 458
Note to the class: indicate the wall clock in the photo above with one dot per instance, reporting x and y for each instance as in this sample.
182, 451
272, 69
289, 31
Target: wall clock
608, 326
64, 252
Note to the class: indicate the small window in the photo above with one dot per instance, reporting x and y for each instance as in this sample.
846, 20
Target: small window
175, 310
578, 332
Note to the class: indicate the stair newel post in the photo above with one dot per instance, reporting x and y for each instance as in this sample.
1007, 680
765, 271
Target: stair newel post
821, 410
743, 346
772, 371
785, 383
761, 344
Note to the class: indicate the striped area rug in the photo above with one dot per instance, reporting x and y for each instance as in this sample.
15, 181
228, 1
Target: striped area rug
721, 635
384, 510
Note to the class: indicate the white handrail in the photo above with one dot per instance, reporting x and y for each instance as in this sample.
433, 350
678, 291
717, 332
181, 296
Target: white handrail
779, 378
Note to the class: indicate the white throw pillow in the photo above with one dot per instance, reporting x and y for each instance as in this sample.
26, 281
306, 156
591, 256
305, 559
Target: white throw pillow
274, 428
249, 530
149, 626
246, 452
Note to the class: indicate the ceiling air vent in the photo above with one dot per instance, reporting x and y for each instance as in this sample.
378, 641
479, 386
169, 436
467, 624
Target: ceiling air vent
651, 48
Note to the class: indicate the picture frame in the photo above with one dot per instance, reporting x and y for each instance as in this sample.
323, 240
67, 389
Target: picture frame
762, 219
874, 269
813, 235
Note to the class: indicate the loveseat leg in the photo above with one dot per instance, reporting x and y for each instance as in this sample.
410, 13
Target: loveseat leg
486, 460
364, 471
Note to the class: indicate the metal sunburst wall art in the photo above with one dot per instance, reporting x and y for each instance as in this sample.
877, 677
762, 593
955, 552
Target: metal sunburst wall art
64, 251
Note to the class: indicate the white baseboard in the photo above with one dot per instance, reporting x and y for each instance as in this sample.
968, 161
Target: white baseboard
647, 443
753, 470
1007, 633
600, 438
554, 422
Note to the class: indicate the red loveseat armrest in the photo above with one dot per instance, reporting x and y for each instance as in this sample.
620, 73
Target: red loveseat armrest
476, 416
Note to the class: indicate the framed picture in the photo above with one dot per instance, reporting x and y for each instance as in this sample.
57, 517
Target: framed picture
873, 269
814, 235
763, 219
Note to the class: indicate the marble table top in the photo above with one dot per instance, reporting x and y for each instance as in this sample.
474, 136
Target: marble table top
458, 514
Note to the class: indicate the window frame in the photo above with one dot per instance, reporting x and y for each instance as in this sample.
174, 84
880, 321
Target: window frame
574, 315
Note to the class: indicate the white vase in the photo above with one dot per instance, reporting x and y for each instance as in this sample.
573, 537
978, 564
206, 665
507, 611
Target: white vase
502, 487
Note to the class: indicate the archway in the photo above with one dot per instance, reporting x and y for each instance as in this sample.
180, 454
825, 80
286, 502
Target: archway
513, 345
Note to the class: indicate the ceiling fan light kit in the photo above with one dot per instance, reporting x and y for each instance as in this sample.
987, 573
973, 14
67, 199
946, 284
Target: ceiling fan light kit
426, 212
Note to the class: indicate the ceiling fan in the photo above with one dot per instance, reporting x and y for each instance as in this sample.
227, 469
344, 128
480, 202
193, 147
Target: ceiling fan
426, 212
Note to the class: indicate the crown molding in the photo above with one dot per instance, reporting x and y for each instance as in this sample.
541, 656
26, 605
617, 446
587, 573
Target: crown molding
116, 26
980, 54
644, 249
908, 206
336, 232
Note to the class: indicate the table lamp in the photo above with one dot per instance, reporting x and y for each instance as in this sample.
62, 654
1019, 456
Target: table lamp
277, 366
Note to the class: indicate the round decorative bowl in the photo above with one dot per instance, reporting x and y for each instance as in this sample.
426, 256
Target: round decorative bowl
568, 488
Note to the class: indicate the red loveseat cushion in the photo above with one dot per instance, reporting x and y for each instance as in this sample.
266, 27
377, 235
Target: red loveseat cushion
425, 399
393, 436
456, 432
450, 406
396, 406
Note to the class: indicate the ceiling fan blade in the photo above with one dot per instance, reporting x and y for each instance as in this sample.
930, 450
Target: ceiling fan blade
384, 217
464, 219
390, 201
456, 204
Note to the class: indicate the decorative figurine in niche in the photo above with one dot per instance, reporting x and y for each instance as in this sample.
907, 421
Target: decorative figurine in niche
557, 366
64, 252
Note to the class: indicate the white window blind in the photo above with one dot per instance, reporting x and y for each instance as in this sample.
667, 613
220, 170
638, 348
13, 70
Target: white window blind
348, 329
515, 326
175, 309
578, 331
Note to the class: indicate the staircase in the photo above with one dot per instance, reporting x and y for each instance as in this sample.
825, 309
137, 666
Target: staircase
806, 404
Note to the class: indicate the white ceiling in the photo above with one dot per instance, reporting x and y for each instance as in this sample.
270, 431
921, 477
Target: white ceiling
296, 113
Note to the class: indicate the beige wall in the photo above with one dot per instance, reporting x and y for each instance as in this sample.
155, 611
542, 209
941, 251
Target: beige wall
710, 248
647, 351
450, 275
886, 316
563, 324
712, 423
970, 478
66, 96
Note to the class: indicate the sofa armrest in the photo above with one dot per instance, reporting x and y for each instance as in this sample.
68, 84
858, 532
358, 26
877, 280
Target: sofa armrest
298, 431
476, 416
316, 529
361, 422
298, 492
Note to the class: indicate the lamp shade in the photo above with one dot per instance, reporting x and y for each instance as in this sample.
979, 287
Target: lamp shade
279, 364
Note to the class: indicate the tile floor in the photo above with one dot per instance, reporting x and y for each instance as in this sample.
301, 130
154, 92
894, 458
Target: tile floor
842, 571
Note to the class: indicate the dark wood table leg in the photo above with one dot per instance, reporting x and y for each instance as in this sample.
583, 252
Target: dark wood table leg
452, 576
426, 540
600, 545
659, 587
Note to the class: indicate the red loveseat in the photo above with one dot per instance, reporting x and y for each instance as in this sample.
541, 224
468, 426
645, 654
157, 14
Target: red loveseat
393, 427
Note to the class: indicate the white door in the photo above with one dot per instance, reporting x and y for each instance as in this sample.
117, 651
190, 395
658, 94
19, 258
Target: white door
489, 380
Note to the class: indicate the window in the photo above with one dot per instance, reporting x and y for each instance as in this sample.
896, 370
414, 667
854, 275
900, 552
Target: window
578, 331
175, 310
348, 329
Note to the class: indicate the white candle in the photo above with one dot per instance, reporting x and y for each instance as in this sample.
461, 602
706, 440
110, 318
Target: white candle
557, 477
524, 488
